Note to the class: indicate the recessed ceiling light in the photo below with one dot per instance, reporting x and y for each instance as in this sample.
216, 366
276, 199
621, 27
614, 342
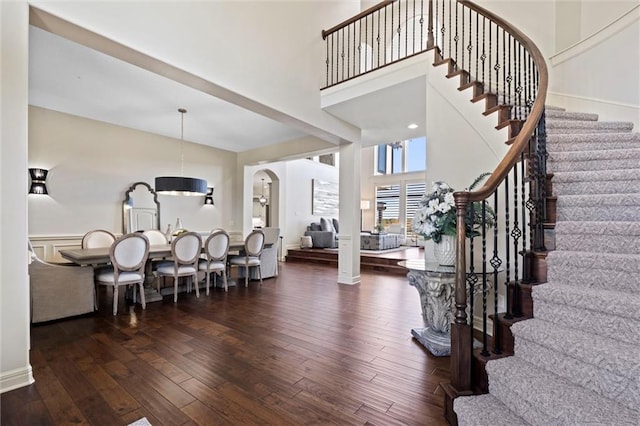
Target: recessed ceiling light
412, 126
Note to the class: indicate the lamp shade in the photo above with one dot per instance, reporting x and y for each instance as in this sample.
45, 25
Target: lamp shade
176, 185
365, 205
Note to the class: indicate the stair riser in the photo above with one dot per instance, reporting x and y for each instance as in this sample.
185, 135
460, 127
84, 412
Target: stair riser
598, 243
577, 131
564, 115
601, 279
589, 146
585, 166
518, 403
605, 324
598, 187
601, 213
605, 383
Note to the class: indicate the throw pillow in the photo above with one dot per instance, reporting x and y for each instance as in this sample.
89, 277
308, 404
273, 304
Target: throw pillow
336, 225
315, 227
325, 225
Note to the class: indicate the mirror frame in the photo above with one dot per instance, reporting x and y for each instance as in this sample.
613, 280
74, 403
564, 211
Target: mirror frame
128, 201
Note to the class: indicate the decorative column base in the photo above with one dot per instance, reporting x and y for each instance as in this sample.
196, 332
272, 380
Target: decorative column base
436, 342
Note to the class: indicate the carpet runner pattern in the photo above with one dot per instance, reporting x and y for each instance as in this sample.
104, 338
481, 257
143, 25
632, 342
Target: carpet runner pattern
577, 361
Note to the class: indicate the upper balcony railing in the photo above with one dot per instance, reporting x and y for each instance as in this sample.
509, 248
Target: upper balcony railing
386, 33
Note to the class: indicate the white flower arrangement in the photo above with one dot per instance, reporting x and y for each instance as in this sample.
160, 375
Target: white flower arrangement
437, 213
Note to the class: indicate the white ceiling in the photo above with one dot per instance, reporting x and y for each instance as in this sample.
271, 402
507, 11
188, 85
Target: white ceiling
68, 77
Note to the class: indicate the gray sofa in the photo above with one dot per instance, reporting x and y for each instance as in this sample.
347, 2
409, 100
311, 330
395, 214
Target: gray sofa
324, 234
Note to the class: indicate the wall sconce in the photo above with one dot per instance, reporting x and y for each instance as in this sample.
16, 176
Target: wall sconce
208, 198
38, 181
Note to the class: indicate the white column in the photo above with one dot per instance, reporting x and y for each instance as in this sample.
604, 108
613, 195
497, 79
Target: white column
15, 370
349, 242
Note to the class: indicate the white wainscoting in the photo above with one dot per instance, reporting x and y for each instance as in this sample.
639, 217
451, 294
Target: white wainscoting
47, 247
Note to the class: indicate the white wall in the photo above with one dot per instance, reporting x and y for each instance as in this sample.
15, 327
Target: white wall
596, 14
607, 64
15, 370
269, 51
92, 164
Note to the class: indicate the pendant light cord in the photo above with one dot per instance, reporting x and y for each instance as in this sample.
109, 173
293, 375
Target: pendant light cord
182, 112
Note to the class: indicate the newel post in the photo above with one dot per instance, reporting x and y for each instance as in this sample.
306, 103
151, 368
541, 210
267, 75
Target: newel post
461, 336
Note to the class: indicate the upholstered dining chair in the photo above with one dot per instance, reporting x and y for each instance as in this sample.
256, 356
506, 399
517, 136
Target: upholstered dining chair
185, 251
97, 238
128, 256
216, 248
253, 246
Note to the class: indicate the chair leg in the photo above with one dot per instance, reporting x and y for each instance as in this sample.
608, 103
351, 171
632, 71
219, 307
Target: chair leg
175, 289
224, 277
142, 301
196, 284
115, 300
246, 276
260, 274
207, 281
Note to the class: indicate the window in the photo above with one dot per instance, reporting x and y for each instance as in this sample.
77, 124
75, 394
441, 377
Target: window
402, 156
389, 197
414, 192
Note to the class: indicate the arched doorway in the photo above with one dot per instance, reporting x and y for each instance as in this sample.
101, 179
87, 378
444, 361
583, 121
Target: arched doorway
265, 200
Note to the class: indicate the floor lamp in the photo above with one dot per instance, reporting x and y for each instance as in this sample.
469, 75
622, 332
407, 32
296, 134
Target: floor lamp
364, 205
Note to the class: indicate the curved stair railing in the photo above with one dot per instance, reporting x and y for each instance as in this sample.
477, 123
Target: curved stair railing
506, 70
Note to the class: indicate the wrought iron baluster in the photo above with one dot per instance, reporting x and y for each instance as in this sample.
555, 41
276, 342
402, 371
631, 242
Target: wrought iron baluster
413, 19
430, 36
516, 233
470, 49
406, 30
496, 262
348, 52
457, 38
443, 31
504, 69
450, 55
378, 38
341, 33
326, 43
489, 62
483, 57
507, 236
483, 210
477, 76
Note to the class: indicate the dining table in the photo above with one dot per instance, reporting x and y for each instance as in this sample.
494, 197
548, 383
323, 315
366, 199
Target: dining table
100, 256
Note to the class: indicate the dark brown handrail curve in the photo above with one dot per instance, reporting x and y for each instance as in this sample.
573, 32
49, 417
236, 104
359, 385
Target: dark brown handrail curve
522, 139
461, 335
353, 19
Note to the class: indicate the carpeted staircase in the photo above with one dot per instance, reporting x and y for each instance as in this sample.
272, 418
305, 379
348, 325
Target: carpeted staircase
577, 362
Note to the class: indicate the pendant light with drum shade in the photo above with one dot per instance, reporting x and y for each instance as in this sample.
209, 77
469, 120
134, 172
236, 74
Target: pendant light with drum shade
180, 185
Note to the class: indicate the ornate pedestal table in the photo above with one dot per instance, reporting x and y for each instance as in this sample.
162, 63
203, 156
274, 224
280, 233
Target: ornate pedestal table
435, 284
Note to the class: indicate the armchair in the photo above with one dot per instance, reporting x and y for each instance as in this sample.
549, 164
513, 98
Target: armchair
268, 257
59, 290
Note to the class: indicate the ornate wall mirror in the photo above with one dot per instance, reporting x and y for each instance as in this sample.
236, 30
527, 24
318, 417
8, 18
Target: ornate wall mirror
140, 209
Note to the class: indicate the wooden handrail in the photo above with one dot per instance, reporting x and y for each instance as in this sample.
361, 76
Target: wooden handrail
359, 16
522, 139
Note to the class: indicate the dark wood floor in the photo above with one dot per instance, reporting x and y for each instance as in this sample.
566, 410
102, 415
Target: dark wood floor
300, 350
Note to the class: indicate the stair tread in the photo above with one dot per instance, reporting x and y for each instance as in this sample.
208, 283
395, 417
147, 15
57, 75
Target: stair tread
581, 345
485, 409
594, 155
556, 399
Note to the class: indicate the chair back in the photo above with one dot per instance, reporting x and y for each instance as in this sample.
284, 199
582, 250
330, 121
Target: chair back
97, 238
186, 248
156, 237
130, 252
254, 243
217, 246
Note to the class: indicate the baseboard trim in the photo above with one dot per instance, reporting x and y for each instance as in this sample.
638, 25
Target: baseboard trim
14, 379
